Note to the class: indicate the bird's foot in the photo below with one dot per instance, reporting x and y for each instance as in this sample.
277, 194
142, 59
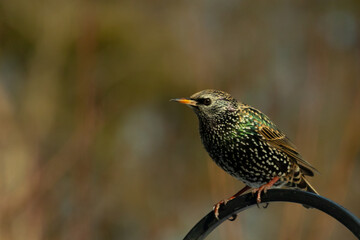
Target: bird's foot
223, 202
264, 188
217, 207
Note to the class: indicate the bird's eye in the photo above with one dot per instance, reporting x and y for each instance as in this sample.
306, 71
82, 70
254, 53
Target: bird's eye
207, 101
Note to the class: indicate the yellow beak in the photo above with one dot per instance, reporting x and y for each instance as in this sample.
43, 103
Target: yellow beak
185, 101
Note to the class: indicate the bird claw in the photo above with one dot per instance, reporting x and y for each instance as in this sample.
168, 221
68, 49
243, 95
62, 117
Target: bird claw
266, 205
264, 189
224, 202
233, 217
259, 190
258, 198
217, 207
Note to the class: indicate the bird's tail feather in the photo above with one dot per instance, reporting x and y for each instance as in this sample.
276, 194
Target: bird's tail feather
308, 186
300, 181
305, 185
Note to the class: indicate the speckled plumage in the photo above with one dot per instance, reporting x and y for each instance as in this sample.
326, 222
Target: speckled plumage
245, 143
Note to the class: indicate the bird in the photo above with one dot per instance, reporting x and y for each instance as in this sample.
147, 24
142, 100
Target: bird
245, 143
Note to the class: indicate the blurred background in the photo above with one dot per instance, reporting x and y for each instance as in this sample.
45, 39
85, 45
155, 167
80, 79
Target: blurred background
91, 147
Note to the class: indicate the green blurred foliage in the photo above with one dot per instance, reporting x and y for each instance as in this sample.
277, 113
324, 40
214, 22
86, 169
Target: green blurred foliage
91, 147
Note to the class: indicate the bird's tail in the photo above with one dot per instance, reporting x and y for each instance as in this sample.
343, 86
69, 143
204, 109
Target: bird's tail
302, 183
305, 185
298, 180
308, 186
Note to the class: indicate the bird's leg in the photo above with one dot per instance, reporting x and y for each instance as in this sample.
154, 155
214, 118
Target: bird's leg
224, 201
244, 189
264, 188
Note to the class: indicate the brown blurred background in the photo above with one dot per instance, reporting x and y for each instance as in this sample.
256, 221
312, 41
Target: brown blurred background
91, 147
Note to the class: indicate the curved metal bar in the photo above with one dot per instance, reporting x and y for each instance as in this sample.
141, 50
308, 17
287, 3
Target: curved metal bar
206, 225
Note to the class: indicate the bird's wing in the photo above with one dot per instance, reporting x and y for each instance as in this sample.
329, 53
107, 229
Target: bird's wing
279, 141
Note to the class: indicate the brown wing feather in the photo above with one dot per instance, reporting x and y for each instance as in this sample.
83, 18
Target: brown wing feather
279, 141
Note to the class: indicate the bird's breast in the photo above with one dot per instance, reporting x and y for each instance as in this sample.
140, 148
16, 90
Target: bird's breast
245, 157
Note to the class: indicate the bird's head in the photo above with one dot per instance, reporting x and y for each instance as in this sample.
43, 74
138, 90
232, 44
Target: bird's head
210, 104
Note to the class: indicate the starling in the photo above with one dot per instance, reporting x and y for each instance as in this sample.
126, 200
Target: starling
247, 145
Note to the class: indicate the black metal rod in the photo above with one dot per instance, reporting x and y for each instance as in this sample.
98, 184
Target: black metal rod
206, 225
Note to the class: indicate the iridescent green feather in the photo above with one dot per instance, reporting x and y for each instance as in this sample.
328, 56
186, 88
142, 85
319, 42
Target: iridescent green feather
253, 121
